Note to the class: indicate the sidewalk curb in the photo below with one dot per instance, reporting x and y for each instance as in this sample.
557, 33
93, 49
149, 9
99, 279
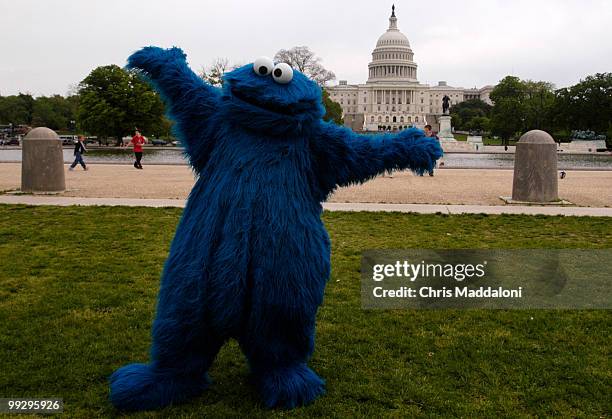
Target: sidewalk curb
328, 206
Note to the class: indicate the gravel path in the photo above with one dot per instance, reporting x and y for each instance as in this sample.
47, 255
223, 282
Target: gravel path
448, 186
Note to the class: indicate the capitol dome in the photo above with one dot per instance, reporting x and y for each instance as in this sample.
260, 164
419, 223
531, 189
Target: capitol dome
392, 59
392, 37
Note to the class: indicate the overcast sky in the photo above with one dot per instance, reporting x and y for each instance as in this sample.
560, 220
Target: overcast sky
48, 45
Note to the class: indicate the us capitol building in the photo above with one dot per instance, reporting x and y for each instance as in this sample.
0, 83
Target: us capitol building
393, 98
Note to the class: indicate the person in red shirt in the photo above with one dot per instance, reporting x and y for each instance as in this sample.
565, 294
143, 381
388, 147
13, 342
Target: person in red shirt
138, 141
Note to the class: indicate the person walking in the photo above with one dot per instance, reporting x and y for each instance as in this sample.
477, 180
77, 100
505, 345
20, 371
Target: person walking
431, 134
79, 149
138, 141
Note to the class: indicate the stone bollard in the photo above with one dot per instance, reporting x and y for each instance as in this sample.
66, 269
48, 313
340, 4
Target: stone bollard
42, 162
535, 168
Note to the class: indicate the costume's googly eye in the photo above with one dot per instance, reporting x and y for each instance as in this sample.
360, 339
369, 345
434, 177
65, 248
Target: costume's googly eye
282, 73
263, 66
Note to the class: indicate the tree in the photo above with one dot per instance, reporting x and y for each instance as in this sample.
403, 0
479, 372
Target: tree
539, 102
214, 73
114, 102
28, 103
304, 60
16, 109
333, 110
55, 112
162, 129
463, 113
508, 114
586, 105
45, 115
479, 123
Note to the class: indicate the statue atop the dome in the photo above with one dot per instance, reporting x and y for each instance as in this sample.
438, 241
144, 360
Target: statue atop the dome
445, 104
392, 20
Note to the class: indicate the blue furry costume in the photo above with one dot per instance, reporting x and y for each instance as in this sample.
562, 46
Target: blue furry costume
251, 256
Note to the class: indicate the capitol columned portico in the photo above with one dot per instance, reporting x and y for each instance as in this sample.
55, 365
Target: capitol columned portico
392, 98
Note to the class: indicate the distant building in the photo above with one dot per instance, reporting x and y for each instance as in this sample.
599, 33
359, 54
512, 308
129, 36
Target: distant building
392, 98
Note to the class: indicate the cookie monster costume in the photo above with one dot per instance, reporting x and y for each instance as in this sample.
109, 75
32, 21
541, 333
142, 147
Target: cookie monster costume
251, 256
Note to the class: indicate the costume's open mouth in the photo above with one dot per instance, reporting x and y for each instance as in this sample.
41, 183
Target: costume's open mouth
291, 109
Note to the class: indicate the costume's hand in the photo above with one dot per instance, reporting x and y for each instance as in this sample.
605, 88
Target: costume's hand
429, 145
152, 60
189, 101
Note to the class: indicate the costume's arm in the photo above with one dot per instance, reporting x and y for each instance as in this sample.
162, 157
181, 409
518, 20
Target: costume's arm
190, 102
342, 157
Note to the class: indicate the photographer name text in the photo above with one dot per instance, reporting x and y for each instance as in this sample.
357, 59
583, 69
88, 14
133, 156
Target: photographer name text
412, 272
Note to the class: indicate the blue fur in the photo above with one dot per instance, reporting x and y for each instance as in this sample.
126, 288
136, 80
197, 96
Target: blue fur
251, 256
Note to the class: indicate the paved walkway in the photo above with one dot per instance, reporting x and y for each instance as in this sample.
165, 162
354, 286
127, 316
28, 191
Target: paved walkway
329, 206
447, 187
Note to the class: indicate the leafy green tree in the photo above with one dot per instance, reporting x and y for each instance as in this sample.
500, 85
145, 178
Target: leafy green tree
586, 105
28, 103
456, 121
16, 109
162, 129
55, 112
508, 114
463, 113
479, 123
45, 115
539, 103
333, 110
72, 103
114, 102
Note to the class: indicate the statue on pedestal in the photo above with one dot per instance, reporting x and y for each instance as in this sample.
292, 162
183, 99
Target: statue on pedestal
587, 141
587, 136
446, 133
445, 104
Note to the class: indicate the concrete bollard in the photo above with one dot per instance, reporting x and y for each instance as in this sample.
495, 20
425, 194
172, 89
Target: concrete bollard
42, 162
535, 168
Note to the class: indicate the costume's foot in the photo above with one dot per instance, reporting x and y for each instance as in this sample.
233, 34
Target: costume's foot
290, 387
71, 169
140, 387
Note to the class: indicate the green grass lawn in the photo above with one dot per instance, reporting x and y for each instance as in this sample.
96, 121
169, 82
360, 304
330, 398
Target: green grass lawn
77, 297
